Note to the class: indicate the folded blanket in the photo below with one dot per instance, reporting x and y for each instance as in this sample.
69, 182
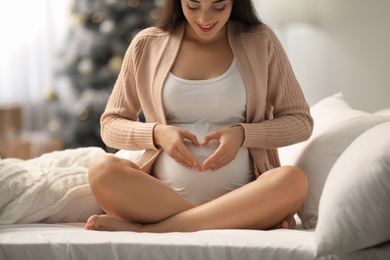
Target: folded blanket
35, 189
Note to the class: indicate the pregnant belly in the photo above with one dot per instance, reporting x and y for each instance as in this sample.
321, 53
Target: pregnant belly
201, 187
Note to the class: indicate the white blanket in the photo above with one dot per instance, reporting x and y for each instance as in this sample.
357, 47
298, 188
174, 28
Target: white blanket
35, 189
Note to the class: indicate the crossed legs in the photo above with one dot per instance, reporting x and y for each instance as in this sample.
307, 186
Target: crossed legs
136, 201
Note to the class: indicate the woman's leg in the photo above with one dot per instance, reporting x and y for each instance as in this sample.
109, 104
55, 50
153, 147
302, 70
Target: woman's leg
125, 192
271, 200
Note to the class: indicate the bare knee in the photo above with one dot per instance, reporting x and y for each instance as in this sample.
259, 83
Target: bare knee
292, 183
100, 168
298, 181
105, 168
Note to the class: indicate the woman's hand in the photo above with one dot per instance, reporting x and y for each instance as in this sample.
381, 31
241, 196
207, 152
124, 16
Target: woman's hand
170, 138
230, 140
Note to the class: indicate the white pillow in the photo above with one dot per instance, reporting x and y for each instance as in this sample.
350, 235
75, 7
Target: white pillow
78, 209
82, 207
354, 210
327, 113
319, 156
383, 112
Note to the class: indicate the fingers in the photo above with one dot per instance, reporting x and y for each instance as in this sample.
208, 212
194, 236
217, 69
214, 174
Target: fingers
182, 155
192, 138
218, 159
230, 140
171, 139
216, 135
185, 155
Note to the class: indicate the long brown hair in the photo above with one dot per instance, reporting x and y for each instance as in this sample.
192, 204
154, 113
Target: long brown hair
243, 11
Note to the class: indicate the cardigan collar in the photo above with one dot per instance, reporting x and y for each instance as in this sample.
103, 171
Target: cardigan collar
167, 60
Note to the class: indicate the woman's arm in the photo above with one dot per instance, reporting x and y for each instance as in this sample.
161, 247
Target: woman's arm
287, 118
119, 123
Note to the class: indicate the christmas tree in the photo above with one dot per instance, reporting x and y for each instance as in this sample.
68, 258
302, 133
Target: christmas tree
99, 35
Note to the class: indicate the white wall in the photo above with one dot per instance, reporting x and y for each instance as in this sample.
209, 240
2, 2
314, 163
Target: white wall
346, 49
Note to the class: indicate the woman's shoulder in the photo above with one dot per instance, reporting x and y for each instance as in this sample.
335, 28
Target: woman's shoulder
151, 32
148, 38
260, 30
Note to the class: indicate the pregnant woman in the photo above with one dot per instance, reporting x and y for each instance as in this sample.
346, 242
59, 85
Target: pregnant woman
219, 97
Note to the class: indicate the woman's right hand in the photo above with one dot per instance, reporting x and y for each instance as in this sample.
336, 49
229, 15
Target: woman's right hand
170, 138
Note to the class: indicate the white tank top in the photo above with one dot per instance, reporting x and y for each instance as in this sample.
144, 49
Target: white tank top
203, 106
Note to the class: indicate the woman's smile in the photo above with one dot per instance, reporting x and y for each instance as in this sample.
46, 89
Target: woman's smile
207, 18
206, 28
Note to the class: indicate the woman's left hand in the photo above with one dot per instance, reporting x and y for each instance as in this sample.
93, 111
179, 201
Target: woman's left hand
230, 140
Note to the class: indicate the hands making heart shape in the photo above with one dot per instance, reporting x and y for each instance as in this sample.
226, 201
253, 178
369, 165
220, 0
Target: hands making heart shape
171, 139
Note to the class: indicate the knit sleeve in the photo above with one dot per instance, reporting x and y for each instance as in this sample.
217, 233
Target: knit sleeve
287, 114
120, 128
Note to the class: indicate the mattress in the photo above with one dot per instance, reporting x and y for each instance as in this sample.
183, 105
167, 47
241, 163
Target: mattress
71, 241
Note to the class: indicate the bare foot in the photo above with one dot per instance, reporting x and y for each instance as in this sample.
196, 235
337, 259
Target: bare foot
109, 223
287, 223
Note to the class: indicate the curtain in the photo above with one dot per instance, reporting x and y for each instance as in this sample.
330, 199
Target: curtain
32, 36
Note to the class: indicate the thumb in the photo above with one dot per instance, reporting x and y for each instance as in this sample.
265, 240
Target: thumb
211, 136
190, 136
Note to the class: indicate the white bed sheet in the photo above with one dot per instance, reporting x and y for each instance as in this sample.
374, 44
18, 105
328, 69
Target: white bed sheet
71, 241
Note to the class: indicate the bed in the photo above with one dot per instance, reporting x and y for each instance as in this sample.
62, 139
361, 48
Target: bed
44, 203
70, 241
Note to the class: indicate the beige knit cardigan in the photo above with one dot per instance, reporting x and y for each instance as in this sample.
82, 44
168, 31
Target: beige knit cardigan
276, 111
